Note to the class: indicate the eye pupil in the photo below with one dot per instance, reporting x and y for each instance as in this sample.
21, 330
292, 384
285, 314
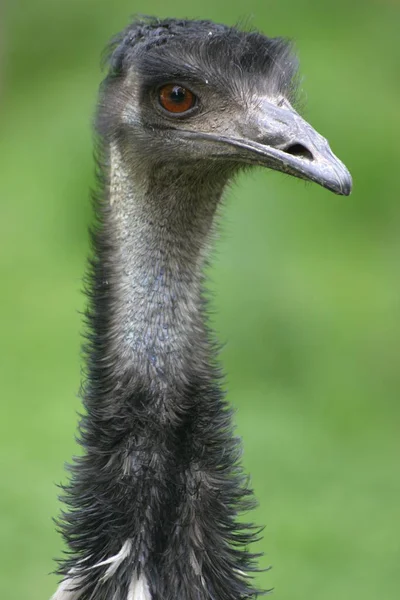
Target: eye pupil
178, 94
176, 99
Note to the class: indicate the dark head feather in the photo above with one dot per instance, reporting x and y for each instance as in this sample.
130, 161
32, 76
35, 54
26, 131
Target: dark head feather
229, 56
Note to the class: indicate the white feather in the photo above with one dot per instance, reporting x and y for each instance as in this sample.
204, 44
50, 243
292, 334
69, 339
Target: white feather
114, 561
138, 589
68, 589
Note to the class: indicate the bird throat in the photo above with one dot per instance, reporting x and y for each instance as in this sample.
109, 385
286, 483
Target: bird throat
161, 223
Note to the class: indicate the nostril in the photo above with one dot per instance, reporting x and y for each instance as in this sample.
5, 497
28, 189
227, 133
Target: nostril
299, 150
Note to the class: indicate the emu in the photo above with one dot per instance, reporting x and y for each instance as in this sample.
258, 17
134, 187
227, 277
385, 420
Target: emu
152, 503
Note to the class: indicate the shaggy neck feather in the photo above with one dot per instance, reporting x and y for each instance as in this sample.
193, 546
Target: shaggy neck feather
154, 498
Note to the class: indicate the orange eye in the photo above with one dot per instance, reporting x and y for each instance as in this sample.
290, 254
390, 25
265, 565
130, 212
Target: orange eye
176, 99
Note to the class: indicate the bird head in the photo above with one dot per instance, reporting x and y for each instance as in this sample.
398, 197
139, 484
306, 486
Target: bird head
195, 93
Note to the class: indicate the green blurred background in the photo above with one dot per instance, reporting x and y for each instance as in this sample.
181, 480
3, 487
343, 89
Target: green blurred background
307, 293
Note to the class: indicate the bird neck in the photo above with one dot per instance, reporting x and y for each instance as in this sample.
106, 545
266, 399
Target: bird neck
160, 222
154, 498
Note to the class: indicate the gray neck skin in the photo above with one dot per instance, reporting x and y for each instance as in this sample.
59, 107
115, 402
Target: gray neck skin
161, 223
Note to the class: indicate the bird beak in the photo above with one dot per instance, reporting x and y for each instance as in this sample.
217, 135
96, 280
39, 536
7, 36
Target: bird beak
279, 138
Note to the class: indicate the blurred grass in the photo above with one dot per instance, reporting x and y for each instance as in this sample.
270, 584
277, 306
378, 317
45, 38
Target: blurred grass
306, 286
